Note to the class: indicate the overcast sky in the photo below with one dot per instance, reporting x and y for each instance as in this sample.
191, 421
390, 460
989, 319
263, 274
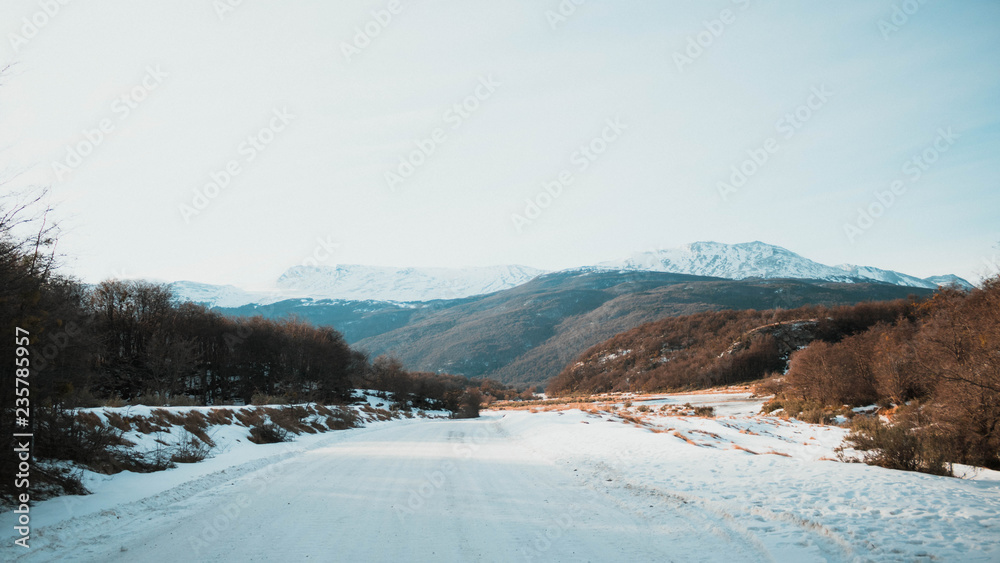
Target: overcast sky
666, 98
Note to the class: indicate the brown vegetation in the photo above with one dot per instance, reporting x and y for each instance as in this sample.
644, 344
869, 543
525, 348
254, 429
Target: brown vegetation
713, 348
528, 334
940, 365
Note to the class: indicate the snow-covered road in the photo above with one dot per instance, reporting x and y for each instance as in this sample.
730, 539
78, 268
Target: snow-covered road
433, 491
531, 487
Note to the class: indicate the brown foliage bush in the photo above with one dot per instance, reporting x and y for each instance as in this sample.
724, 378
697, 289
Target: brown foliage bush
945, 357
908, 443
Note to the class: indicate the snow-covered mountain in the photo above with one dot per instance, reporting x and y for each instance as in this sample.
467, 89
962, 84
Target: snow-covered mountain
377, 283
950, 279
223, 295
760, 260
400, 284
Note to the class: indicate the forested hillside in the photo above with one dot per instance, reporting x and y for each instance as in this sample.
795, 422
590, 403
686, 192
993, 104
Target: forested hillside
528, 334
714, 348
932, 365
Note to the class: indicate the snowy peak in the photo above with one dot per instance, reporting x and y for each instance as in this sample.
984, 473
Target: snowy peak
400, 284
885, 276
733, 261
221, 295
761, 260
949, 280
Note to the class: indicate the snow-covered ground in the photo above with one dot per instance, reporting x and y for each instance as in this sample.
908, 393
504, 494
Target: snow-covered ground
546, 486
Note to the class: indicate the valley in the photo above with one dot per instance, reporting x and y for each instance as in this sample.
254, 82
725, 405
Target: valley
527, 334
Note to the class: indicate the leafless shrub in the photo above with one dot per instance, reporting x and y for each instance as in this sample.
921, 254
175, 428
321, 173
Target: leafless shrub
268, 433
190, 449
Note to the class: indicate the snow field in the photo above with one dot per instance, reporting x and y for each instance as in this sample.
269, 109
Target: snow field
796, 497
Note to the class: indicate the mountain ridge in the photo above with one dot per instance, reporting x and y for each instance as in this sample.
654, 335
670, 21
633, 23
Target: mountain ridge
351, 282
761, 260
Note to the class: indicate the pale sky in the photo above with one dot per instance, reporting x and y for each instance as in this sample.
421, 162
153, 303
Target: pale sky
334, 112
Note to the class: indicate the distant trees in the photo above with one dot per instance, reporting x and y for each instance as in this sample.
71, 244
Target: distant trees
834, 373
130, 339
387, 374
469, 403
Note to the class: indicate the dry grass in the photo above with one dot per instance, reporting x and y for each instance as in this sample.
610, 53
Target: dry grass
707, 433
195, 422
341, 419
637, 420
164, 417
378, 414
685, 438
89, 419
220, 417
250, 417
146, 425
290, 418
116, 420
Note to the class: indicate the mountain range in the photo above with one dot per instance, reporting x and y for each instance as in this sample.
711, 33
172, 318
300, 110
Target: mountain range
378, 283
528, 334
523, 326
761, 260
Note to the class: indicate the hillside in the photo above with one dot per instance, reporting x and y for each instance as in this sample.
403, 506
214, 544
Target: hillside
714, 347
528, 330
356, 320
529, 333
